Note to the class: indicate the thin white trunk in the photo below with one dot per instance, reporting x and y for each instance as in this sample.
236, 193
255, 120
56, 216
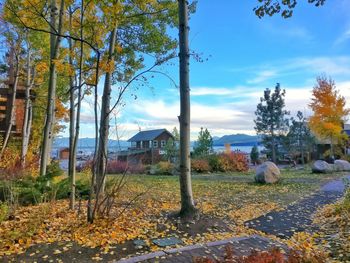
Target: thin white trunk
104, 126
27, 120
51, 96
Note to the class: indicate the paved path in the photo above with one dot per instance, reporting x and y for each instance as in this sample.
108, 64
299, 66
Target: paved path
297, 217
241, 246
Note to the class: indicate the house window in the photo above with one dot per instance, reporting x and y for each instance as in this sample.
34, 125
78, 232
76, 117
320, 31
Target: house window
162, 143
155, 144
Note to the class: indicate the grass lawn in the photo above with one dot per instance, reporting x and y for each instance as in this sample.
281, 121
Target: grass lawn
225, 200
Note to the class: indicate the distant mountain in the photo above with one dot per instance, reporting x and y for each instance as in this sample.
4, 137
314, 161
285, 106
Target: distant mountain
237, 140
63, 142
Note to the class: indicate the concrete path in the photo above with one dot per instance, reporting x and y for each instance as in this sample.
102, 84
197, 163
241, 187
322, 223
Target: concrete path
241, 246
297, 217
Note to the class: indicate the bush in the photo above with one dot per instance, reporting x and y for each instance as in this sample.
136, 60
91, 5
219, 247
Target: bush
53, 170
4, 211
162, 168
214, 163
116, 167
120, 167
30, 196
254, 155
82, 189
200, 165
233, 162
274, 255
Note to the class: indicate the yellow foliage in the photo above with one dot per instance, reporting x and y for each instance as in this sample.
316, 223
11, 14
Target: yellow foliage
329, 110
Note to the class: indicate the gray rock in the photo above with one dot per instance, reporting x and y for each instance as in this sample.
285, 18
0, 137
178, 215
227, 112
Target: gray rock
342, 165
267, 173
320, 166
167, 241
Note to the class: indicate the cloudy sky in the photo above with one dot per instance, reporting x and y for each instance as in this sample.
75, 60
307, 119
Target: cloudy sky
243, 56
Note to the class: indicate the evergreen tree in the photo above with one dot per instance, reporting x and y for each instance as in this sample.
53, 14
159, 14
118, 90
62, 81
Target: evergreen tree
300, 138
254, 154
172, 147
270, 120
204, 144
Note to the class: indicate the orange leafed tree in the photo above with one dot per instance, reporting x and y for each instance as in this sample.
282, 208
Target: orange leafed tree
329, 112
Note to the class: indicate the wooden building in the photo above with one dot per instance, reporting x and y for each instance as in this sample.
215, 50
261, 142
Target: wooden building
151, 139
5, 110
64, 154
146, 146
6, 98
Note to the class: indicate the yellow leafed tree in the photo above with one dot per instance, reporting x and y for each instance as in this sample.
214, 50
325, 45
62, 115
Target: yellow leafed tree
329, 112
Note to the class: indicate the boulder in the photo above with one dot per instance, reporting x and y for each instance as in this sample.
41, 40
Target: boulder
321, 166
267, 173
342, 165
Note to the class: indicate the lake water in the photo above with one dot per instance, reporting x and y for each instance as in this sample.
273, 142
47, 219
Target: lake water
90, 150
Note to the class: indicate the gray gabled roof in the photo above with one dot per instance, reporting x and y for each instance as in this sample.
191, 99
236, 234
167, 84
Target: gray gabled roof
148, 135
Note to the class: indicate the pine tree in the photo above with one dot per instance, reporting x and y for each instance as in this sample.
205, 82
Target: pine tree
300, 137
254, 154
270, 120
204, 144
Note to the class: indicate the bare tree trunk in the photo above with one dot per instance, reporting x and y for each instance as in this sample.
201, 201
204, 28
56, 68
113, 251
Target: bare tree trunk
188, 209
301, 148
15, 64
90, 209
71, 160
51, 96
75, 116
104, 123
332, 148
273, 147
27, 120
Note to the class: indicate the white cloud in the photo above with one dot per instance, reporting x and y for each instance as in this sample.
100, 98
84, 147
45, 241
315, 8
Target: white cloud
262, 76
205, 91
345, 36
229, 118
337, 66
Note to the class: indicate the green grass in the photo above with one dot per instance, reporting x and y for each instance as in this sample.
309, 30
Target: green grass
231, 191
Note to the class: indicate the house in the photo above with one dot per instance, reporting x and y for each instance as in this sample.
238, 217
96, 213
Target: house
146, 146
151, 139
64, 154
6, 94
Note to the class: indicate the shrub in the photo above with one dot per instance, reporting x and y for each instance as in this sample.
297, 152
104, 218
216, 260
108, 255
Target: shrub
82, 188
214, 163
200, 165
116, 167
30, 196
254, 155
233, 162
274, 255
120, 167
4, 211
162, 168
53, 170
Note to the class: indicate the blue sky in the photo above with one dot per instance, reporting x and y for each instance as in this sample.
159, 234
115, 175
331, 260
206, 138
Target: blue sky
245, 56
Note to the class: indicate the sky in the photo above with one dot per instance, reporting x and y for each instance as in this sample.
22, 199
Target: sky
243, 55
